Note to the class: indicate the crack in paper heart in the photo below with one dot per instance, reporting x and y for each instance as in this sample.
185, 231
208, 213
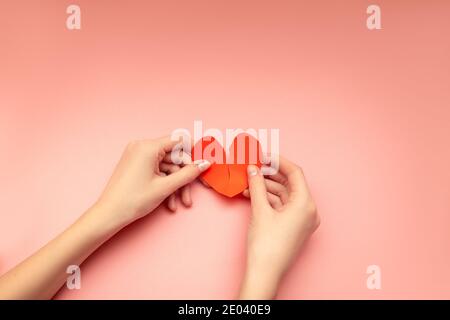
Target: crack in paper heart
228, 177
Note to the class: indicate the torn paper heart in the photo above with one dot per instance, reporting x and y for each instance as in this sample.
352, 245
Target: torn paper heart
228, 172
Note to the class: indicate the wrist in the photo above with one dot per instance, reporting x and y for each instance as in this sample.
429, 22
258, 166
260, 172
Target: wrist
104, 219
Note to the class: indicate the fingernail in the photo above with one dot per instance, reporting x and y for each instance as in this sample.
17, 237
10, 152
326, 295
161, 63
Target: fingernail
202, 165
252, 171
267, 171
265, 158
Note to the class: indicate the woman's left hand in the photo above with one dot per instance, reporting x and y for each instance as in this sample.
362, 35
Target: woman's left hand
144, 177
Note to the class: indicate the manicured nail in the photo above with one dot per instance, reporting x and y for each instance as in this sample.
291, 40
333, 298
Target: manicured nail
266, 171
265, 158
252, 171
202, 165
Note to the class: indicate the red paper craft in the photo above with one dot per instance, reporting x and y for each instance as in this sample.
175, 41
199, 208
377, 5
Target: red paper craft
228, 177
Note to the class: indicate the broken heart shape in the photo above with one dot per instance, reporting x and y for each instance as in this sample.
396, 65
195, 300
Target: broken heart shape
228, 172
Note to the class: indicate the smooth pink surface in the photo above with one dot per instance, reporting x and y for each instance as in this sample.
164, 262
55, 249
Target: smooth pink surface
365, 113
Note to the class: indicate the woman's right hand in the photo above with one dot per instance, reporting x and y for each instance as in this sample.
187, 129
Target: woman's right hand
284, 215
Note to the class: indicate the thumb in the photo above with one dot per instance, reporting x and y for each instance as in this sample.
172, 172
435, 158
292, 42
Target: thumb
257, 188
185, 175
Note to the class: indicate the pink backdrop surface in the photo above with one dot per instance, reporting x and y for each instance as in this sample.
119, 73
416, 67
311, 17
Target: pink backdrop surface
365, 113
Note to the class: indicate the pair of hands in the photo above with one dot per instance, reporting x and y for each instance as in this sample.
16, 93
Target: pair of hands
283, 212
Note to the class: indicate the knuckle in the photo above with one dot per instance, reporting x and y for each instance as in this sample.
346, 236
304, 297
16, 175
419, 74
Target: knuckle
297, 173
298, 170
318, 221
130, 145
133, 145
314, 217
309, 208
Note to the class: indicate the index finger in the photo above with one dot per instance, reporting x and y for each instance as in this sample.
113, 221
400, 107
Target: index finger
167, 144
294, 175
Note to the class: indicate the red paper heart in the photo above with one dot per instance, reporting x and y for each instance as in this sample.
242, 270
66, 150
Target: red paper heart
228, 177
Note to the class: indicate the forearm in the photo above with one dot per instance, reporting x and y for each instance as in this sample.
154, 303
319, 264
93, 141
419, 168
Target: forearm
259, 284
41, 275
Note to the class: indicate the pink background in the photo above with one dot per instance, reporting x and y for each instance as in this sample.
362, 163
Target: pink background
365, 113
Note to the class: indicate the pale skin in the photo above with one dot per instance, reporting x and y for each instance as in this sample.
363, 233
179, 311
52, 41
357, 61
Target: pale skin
283, 217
